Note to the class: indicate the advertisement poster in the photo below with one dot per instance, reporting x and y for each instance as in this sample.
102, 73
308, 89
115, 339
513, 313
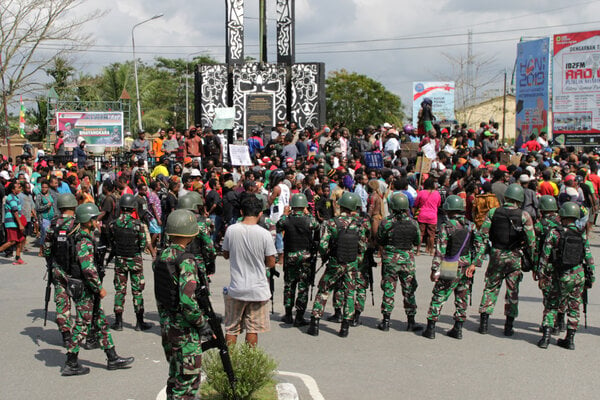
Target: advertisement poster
576, 88
442, 96
96, 128
531, 78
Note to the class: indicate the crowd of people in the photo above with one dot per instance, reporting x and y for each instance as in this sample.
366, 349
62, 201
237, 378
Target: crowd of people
317, 193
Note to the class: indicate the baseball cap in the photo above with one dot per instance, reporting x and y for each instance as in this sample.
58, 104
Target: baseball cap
387, 125
524, 178
503, 168
289, 159
187, 160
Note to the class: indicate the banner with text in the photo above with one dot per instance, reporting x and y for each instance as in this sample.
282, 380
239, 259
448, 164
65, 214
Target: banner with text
96, 128
532, 89
576, 88
442, 96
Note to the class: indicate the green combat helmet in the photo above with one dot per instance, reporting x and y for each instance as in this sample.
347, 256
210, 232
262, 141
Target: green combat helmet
298, 201
399, 202
570, 210
66, 200
454, 203
548, 203
515, 192
86, 212
182, 223
127, 202
190, 202
349, 201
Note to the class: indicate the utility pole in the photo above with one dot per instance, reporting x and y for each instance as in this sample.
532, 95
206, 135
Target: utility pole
504, 110
262, 30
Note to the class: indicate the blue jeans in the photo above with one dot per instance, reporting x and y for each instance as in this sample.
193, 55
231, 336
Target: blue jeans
218, 223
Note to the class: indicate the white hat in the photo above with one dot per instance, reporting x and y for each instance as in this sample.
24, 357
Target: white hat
387, 125
5, 175
524, 178
530, 169
195, 172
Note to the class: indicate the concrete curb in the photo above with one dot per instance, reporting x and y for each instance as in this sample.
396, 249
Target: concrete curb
286, 391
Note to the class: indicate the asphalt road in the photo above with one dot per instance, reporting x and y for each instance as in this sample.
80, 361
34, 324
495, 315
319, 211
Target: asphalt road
369, 364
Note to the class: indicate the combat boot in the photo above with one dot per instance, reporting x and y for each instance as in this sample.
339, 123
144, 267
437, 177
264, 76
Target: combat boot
91, 341
313, 328
140, 324
384, 325
569, 341
356, 319
287, 318
345, 328
299, 320
412, 325
483, 323
72, 367
545, 340
336, 317
118, 325
508, 326
456, 331
115, 361
429, 332
67, 337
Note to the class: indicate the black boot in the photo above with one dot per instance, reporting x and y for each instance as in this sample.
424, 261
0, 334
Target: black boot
118, 325
91, 341
508, 326
545, 340
141, 325
483, 323
561, 322
287, 318
412, 325
429, 332
456, 331
115, 361
313, 328
569, 341
299, 320
345, 328
67, 336
356, 319
72, 367
384, 325
336, 317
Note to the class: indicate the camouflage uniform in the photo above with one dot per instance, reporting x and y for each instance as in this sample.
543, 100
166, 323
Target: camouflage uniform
206, 229
125, 266
296, 267
179, 330
461, 285
570, 282
504, 265
59, 278
551, 289
397, 265
334, 271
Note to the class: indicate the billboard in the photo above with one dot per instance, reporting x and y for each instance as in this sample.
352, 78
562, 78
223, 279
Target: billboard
96, 128
442, 95
532, 88
576, 88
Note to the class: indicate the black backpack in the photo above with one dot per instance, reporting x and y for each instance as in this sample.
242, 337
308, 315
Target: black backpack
570, 251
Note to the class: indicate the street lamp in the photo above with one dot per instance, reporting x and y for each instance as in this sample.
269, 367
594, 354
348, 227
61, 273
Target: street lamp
137, 87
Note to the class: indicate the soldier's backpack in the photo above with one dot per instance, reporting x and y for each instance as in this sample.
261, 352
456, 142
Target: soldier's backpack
506, 232
64, 252
347, 243
570, 251
166, 273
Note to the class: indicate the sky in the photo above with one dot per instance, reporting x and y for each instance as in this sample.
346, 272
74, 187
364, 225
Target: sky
394, 42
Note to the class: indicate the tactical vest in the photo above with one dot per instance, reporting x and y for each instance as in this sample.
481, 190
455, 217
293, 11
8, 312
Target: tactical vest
347, 243
403, 234
571, 251
126, 241
506, 232
297, 233
455, 241
64, 247
166, 275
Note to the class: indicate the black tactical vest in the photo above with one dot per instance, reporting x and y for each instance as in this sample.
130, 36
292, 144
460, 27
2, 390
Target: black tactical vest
456, 238
64, 247
126, 241
166, 274
506, 232
403, 234
347, 243
297, 233
571, 251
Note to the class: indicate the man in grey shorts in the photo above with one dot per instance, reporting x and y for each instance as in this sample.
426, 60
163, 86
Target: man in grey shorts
250, 250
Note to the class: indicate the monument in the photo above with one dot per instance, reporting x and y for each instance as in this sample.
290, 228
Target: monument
262, 93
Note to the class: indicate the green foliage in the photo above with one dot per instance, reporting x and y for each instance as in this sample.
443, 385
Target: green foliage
357, 101
253, 367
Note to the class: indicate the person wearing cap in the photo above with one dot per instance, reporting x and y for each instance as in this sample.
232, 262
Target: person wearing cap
141, 148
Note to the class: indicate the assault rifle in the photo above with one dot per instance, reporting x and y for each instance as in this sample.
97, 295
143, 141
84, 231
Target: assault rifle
368, 265
584, 295
272, 274
313, 262
218, 340
48, 288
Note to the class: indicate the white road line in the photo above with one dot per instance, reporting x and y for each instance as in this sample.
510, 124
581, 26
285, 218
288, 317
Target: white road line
309, 382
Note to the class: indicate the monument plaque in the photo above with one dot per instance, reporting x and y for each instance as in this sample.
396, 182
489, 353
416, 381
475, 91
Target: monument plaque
260, 110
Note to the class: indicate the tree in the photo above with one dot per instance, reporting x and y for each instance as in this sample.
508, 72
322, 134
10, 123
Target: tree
61, 71
357, 101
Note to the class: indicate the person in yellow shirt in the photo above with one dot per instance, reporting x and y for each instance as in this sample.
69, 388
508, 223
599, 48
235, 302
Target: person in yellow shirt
161, 168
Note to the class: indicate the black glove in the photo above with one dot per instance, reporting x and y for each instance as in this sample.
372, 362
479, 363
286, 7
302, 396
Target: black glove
205, 332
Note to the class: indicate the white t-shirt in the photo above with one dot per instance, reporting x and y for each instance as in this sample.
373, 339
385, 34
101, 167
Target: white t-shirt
248, 245
280, 203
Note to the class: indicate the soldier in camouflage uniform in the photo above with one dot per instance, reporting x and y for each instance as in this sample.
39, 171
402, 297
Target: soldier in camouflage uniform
455, 235
298, 228
182, 322
567, 259
510, 231
542, 227
398, 235
66, 203
344, 244
128, 242
85, 289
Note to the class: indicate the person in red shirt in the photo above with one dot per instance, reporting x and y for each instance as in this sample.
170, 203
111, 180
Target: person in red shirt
546, 188
593, 177
532, 144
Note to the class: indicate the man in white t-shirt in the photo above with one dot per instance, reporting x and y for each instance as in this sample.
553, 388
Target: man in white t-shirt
250, 250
